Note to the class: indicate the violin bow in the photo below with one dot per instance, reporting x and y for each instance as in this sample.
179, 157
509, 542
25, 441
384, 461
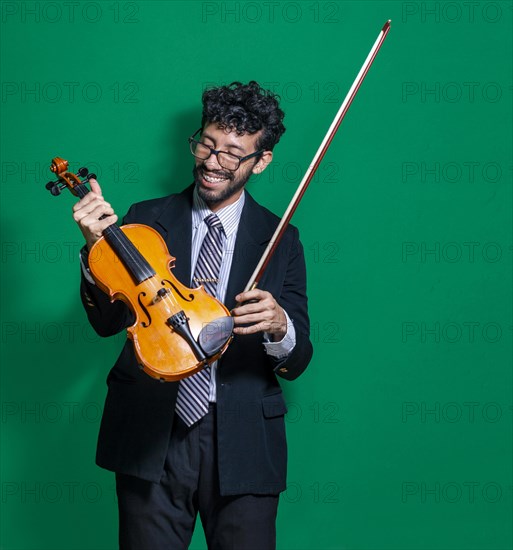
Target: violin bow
310, 172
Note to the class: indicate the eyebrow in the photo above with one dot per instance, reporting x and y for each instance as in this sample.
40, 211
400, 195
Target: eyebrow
229, 146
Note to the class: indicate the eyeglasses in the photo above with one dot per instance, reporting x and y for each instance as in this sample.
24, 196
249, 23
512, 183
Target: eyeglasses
226, 160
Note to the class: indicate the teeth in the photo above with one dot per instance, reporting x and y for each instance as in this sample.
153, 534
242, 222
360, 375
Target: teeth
210, 179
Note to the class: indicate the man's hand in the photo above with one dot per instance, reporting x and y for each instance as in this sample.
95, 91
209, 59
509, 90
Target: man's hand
87, 213
264, 315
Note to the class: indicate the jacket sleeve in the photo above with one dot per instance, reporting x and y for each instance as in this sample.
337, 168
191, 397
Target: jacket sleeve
106, 317
294, 300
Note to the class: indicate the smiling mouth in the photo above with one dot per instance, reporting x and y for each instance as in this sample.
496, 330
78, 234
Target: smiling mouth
210, 178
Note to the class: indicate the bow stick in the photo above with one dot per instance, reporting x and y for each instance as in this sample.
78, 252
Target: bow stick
280, 230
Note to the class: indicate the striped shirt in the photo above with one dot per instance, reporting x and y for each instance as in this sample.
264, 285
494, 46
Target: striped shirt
229, 216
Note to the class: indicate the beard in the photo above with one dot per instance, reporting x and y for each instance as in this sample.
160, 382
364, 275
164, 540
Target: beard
231, 187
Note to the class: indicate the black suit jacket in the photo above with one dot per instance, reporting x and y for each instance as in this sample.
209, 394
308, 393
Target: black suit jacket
138, 415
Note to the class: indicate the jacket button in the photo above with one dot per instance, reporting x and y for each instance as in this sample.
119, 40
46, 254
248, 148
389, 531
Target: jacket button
283, 369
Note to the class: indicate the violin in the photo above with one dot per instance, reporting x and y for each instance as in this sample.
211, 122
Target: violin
177, 330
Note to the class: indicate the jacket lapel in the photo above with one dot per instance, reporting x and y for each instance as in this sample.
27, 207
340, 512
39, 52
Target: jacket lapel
252, 237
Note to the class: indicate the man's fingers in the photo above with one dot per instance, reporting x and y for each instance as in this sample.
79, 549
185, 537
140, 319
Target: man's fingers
253, 301
93, 209
246, 330
250, 308
88, 211
103, 224
90, 201
92, 197
265, 313
255, 294
252, 318
96, 230
95, 187
253, 329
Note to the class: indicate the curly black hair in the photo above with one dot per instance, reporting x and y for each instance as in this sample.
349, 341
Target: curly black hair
245, 108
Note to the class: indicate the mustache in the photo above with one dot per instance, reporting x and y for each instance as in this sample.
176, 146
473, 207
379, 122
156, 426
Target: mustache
215, 173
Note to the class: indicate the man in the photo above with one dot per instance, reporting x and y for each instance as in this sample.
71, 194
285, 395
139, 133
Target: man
220, 451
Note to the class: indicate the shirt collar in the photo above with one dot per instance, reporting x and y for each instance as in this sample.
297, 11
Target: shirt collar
229, 216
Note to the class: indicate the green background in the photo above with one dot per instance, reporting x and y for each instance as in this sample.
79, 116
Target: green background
400, 430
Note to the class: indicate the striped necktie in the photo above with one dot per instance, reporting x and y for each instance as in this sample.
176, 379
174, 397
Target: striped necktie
193, 391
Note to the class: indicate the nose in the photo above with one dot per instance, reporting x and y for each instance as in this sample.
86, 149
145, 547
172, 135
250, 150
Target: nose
212, 163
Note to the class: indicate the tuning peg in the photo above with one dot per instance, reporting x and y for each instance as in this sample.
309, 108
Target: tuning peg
55, 190
91, 177
82, 172
50, 184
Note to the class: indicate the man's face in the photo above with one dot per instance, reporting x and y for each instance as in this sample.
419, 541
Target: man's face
216, 185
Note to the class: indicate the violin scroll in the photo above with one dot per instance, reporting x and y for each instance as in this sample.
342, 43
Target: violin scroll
68, 179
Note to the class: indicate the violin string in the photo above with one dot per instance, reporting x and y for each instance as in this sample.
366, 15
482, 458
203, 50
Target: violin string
126, 244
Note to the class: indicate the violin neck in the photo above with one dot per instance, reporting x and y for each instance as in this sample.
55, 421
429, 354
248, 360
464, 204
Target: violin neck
135, 263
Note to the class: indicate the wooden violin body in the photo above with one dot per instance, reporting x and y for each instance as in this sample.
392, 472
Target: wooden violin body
177, 330
161, 351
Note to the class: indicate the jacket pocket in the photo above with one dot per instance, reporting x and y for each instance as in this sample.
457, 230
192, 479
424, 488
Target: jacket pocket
274, 405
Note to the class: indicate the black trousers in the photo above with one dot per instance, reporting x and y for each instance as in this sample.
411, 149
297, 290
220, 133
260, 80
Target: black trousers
158, 516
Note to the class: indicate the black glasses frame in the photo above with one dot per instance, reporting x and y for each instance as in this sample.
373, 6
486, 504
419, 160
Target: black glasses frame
216, 152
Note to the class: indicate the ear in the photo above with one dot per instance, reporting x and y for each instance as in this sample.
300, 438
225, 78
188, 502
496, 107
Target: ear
261, 165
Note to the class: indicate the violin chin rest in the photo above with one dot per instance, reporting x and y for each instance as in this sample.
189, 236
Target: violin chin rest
214, 335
